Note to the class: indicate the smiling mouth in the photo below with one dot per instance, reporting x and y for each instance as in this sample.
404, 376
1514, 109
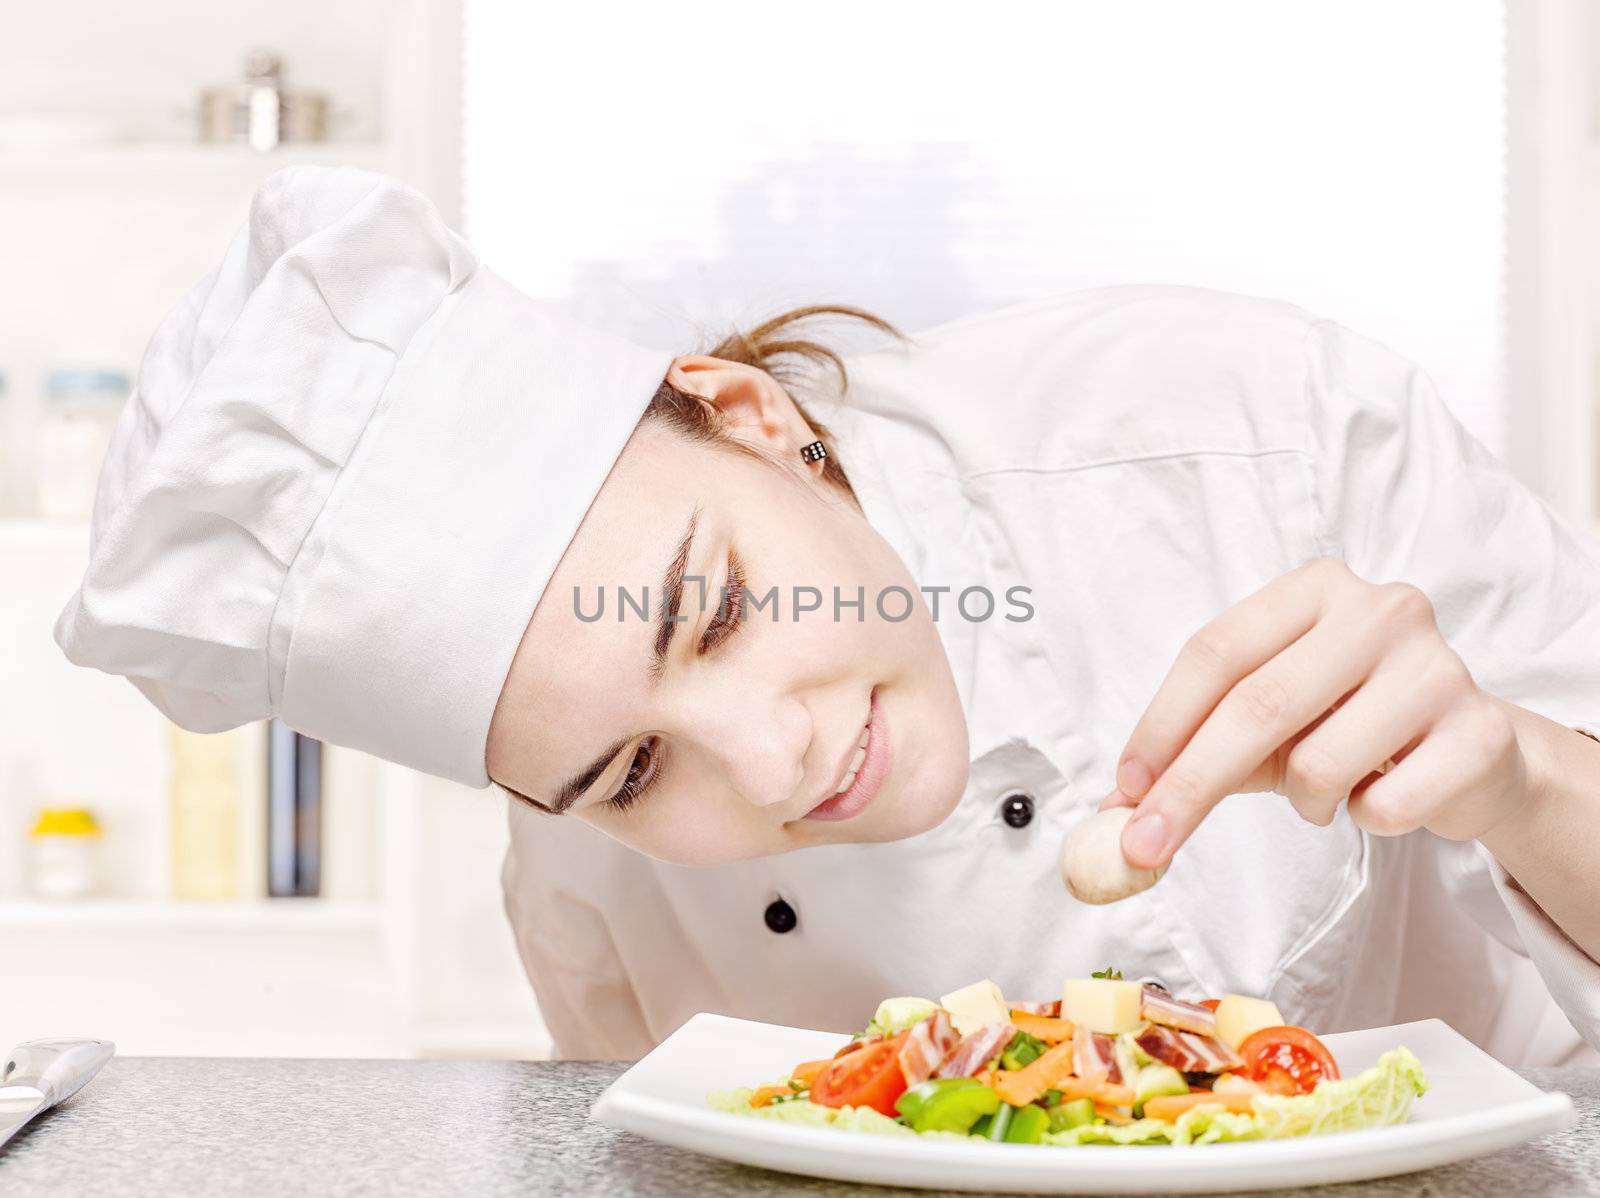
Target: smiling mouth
863, 774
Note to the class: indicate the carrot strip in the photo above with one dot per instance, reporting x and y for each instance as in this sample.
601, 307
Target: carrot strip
806, 1072
1042, 1027
1019, 1087
1098, 1089
1111, 1114
1170, 1106
766, 1094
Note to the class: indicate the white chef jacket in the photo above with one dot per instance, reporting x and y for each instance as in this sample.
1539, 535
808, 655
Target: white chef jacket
1142, 458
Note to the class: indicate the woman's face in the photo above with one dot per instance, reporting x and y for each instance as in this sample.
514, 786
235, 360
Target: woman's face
730, 737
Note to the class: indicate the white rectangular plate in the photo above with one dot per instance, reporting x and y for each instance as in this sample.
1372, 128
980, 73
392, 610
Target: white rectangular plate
1475, 1106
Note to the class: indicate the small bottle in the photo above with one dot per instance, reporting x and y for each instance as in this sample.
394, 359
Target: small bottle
294, 813
65, 850
206, 797
77, 420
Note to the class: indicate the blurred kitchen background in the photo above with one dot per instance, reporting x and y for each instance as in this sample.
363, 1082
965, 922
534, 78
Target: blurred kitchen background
1427, 171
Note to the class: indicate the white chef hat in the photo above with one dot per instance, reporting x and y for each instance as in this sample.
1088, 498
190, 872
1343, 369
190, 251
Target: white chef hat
350, 464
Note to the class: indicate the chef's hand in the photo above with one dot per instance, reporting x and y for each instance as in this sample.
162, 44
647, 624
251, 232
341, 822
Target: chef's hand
1311, 687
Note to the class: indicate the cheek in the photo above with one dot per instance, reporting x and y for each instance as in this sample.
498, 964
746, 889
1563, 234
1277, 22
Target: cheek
939, 784
839, 557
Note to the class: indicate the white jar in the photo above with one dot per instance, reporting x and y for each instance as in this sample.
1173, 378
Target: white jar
78, 416
64, 847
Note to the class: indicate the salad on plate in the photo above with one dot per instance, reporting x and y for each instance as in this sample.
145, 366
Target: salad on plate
1110, 1062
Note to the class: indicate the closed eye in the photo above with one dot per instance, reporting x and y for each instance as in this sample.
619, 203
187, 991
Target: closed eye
730, 607
649, 759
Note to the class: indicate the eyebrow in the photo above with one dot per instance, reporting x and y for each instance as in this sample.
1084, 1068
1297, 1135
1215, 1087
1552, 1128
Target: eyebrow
667, 618
667, 622
572, 790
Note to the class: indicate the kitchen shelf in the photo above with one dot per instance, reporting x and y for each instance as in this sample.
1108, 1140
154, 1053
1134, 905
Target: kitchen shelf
175, 164
102, 239
252, 915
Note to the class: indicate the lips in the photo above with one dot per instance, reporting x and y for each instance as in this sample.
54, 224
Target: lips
863, 773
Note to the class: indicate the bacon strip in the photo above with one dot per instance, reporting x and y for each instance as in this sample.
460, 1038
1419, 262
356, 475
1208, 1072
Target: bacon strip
1218, 1057
1160, 1007
976, 1050
1052, 1009
1092, 1056
928, 1044
1187, 1052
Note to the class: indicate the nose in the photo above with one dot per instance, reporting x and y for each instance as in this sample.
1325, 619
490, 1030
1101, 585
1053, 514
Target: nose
760, 744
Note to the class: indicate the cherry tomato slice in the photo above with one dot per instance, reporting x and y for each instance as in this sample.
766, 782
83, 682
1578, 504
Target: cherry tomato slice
870, 1076
1287, 1060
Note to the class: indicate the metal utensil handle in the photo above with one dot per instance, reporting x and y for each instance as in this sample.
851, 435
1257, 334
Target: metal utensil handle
58, 1069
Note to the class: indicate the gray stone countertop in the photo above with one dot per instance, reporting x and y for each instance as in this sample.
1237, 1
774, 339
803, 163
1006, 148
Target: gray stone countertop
179, 1126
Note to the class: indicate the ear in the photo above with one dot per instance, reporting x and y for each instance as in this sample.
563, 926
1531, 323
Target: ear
756, 406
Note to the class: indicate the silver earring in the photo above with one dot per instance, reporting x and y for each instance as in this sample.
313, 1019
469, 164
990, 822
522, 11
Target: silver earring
814, 452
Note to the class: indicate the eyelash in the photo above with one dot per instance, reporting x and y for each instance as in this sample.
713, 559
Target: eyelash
730, 607
728, 620
638, 781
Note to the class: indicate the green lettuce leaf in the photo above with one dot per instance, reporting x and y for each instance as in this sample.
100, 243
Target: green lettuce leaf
1141, 1131
1200, 1126
804, 1111
896, 1014
1212, 1126
1375, 1097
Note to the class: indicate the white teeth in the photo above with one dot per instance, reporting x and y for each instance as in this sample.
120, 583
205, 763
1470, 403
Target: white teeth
856, 759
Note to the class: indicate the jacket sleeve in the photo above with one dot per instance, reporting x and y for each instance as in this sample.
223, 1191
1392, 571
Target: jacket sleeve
1404, 492
584, 995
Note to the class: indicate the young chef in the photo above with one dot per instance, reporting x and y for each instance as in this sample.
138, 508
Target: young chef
366, 486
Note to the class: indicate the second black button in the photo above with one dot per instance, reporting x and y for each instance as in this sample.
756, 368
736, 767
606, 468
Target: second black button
1017, 810
780, 916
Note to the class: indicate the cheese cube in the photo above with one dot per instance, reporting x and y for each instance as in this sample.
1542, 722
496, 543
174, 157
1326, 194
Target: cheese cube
1239, 1017
971, 1007
1102, 1004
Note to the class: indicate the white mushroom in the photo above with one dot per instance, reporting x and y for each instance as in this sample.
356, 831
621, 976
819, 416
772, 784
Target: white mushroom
1092, 864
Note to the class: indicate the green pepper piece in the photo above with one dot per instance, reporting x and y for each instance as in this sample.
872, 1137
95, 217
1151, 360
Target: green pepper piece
1001, 1123
913, 1101
1028, 1125
1072, 1114
956, 1108
1021, 1050
981, 1127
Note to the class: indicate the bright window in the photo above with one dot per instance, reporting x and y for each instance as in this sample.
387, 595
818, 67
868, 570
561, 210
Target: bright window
668, 169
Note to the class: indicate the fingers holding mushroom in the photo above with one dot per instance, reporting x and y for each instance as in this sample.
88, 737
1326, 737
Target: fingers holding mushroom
1092, 865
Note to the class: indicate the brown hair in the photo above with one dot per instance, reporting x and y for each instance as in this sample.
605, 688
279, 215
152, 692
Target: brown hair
777, 347
774, 346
